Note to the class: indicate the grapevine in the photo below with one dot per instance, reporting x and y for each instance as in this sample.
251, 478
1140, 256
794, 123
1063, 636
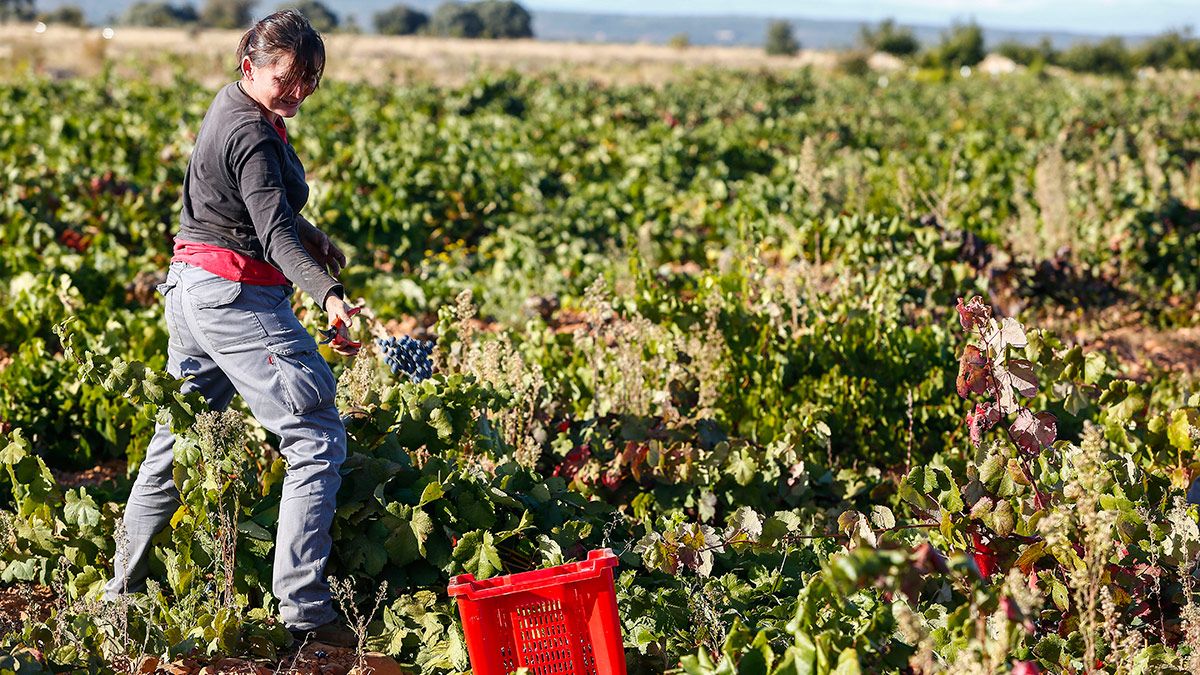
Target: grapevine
715, 327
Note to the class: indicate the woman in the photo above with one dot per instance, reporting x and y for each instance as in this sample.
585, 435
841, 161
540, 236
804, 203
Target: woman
241, 244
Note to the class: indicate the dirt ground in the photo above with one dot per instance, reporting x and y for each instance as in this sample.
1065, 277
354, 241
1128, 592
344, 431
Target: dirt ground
104, 472
21, 601
1142, 350
64, 51
313, 659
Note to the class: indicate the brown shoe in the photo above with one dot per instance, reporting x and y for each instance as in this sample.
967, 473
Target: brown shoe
336, 633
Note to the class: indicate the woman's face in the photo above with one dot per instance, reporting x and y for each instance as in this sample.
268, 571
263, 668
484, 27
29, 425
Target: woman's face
267, 85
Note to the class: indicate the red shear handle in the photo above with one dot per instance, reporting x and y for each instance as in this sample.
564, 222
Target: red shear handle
333, 335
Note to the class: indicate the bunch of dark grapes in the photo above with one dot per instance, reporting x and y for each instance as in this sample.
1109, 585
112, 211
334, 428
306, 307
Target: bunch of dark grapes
408, 356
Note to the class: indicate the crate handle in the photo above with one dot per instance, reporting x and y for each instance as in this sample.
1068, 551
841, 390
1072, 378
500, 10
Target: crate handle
587, 569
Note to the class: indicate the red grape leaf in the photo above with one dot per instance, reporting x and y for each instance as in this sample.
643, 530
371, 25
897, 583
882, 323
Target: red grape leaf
985, 557
985, 416
1024, 380
1033, 432
973, 313
974, 372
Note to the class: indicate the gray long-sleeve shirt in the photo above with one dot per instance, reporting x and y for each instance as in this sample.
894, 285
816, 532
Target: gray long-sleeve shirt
244, 190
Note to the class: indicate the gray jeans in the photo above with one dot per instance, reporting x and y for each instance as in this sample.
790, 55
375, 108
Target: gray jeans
229, 338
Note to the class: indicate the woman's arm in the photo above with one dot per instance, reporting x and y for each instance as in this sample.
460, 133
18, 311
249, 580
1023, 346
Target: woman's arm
260, 180
320, 246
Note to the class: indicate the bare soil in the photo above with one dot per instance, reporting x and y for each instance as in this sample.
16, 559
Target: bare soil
313, 659
23, 601
106, 471
1143, 351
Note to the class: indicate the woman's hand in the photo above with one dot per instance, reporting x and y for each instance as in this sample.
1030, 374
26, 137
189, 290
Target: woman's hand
342, 321
321, 248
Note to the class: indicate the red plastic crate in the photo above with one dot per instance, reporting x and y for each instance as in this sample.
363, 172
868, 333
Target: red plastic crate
559, 620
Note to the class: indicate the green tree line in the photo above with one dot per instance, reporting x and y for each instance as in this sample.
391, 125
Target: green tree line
481, 19
964, 45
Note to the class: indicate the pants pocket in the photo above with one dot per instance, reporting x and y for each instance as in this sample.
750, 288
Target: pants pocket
219, 314
307, 381
169, 307
214, 292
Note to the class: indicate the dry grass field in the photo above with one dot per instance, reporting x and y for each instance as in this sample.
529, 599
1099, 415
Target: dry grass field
63, 52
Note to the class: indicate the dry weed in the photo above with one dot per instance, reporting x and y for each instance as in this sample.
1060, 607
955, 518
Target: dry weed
497, 360
343, 591
222, 439
1051, 192
807, 169
357, 382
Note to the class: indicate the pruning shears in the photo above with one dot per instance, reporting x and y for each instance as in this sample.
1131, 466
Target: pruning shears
333, 335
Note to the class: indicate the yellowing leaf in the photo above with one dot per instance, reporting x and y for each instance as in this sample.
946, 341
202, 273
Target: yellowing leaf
991, 470
432, 492
882, 517
1179, 432
848, 521
1003, 518
848, 663
1058, 593
1031, 555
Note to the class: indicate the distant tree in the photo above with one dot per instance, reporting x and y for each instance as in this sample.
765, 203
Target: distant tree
962, 46
780, 41
229, 14
504, 19
66, 15
890, 38
680, 41
321, 17
1174, 49
452, 19
17, 10
1107, 57
1047, 54
1019, 52
154, 14
400, 20
856, 62
1041, 54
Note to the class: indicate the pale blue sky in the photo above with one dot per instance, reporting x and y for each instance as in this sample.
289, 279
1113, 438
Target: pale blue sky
1087, 16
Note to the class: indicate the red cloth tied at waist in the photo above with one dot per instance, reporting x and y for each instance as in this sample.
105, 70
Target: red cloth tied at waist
228, 264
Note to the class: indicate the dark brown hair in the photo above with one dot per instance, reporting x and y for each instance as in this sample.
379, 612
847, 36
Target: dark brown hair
285, 33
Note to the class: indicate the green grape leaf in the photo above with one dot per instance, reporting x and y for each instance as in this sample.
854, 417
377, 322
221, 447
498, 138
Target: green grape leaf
1179, 432
745, 524
432, 491
81, 510
476, 554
